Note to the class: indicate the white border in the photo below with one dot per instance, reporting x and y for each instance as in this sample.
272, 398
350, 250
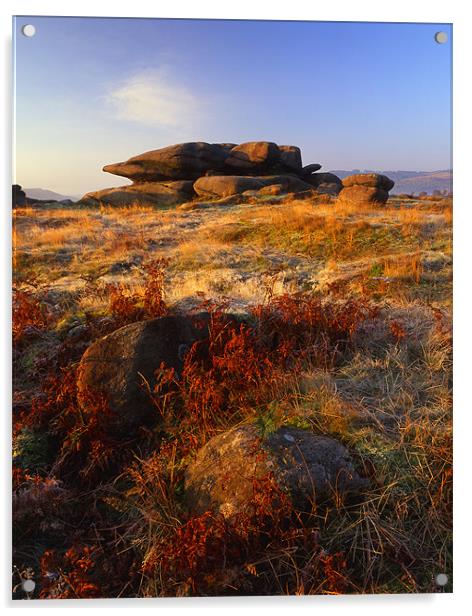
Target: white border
454, 11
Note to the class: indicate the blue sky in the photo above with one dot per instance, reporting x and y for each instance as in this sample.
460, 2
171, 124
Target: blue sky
351, 95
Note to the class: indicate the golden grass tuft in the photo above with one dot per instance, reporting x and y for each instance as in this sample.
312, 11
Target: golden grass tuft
404, 267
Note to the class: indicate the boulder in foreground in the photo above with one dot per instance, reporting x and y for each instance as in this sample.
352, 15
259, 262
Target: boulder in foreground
121, 366
312, 469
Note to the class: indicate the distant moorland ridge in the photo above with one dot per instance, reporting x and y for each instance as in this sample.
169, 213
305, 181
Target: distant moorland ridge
44, 194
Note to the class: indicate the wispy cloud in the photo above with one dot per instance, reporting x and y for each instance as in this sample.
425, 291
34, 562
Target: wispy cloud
154, 98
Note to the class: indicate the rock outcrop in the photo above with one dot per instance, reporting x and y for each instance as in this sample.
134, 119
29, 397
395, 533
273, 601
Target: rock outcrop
18, 196
178, 173
312, 469
121, 366
366, 188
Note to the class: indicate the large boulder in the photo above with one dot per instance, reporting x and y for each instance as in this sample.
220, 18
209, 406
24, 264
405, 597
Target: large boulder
254, 155
146, 193
121, 366
363, 194
183, 161
291, 156
217, 186
374, 180
366, 188
312, 469
225, 185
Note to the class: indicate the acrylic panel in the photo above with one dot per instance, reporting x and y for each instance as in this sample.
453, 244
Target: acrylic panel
232, 303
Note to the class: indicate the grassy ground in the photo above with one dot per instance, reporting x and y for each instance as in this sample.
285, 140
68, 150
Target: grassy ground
387, 396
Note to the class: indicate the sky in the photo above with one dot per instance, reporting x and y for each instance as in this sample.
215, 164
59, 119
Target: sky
91, 91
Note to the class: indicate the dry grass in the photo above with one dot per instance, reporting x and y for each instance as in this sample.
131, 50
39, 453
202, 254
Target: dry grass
387, 397
405, 267
225, 251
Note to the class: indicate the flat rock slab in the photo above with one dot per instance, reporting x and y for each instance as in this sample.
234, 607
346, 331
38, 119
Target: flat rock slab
183, 161
146, 193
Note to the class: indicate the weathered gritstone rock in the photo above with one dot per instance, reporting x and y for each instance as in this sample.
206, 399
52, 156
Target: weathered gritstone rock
363, 194
172, 175
183, 161
311, 468
121, 365
273, 189
254, 155
325, 183
291, 156
224, 186
374, 180
366, 188
154, 193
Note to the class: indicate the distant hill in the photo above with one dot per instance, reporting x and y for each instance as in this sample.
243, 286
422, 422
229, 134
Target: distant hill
410, 181
44, 195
